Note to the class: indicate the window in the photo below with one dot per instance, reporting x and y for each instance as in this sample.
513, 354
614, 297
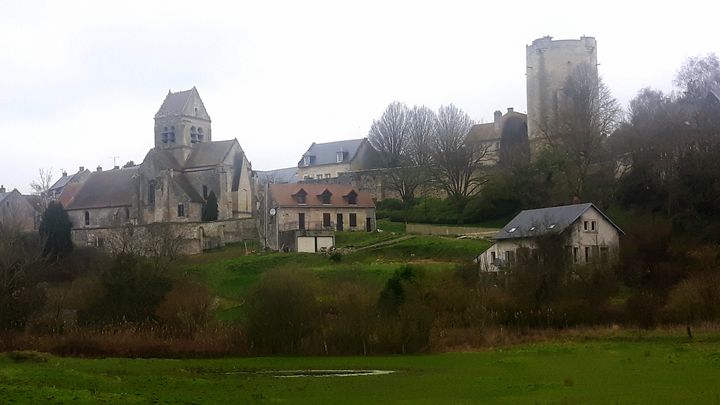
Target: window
513, 229
301, 220
492, 257
325, 197
87, 218
181, 210
587, 254
585, 225
165, 135
171, 135
592, 225
307, 160
201, 135
327, 175
353, 220
576, 253
319, 176
352, 197
509, 257
193, 135
340, 157
151, 192
205, 192
326, 220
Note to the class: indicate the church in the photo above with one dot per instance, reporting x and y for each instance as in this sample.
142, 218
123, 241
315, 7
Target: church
175, 179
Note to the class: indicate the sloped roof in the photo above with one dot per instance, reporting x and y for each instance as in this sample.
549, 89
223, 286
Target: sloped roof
4, 195
68, 193
183, 103
209, 153
544, 221
35, 201
182, 181
283, 195
488, 131
161, 159
326, 153
64, 180
278, 176
110, 188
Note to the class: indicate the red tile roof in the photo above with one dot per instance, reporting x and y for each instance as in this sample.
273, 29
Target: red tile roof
283, 194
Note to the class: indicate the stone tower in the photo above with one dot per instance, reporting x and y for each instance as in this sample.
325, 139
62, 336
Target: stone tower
181, 123
548, 64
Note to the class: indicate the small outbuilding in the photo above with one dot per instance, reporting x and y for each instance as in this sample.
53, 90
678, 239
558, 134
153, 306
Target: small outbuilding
588, 236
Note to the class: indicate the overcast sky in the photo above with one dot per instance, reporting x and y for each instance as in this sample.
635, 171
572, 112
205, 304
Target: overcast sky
81, 81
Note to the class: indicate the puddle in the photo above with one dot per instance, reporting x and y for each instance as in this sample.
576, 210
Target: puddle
314, 373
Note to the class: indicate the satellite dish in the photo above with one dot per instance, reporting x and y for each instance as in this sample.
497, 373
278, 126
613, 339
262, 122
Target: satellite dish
273, 211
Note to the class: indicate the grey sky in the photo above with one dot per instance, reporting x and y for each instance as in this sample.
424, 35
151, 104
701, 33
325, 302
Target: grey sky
81, 80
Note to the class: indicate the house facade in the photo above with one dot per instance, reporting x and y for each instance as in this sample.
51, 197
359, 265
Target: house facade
328, 160
588, 235
298, 211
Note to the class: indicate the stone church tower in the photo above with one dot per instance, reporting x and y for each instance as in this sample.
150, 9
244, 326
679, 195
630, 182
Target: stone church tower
181, 123
548, 64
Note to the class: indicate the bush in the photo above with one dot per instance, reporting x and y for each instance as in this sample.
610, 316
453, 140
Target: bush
695, 299
55, 228
187, 308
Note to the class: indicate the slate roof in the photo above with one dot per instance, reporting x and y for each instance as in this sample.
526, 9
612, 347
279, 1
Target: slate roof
488, 131
209, 153
183, 103
278, 176
64, 180
326, 153
186, 187
110, 188
4, 195
283, 195
35, 201
544, 221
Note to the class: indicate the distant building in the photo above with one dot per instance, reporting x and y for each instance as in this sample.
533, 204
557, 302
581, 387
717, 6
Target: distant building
57, 188
328, 160
277, 176
549, 62
304, 217
506, 138
589, 236
17, 211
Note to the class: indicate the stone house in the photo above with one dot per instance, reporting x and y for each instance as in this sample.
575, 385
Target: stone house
302, 213
173, 181
56, 190
328, 160
506, 138
588, 235
18, 211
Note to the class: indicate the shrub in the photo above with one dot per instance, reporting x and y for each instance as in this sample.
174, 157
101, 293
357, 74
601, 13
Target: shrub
695, 299
28, 356
186, 308
55, 228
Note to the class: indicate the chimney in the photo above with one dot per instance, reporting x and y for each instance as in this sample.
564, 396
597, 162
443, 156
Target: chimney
2, 189
64, 173
510, 109
497, 117
116, 167
82, 169
99, 168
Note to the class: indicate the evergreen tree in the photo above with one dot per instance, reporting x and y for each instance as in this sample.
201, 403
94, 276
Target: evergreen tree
55, 230
210, 208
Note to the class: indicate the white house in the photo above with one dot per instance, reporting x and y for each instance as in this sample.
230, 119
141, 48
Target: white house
590, 236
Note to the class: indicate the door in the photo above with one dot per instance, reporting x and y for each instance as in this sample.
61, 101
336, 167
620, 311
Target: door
326, 220
368, 224
339, 222
301, 220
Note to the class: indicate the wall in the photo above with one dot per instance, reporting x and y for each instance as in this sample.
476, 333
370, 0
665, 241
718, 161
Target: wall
194, 237
332, 169
287, 218
16, 212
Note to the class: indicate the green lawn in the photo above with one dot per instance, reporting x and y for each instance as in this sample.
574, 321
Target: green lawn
659, 370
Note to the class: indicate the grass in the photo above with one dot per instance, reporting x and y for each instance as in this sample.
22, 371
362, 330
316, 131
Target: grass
361, 239
657, 370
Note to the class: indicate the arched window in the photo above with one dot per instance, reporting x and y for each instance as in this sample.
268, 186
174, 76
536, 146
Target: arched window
151, 192
193, 135
200, 135
165, 134
172, 135
87, 218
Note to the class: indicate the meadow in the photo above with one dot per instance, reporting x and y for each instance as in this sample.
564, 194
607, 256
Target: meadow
659, 369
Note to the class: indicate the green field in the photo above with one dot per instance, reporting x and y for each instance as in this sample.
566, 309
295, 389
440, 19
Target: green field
656, 370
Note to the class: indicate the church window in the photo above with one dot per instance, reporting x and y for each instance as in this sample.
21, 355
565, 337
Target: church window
171, 135
200, 135
181, 210
193, 135
205, 192
87, 218
151, 192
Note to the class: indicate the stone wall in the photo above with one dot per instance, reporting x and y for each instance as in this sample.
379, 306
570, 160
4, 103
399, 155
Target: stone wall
187, 237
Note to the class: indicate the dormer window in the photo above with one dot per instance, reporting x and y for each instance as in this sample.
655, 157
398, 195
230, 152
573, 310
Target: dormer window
352, 197
300, 196
193, 135
325, 197
341, 156
307, 160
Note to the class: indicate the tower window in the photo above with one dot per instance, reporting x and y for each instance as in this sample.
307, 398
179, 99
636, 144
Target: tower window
171, 135
87, 218
181, 210
193, 135
200, 135
165, 135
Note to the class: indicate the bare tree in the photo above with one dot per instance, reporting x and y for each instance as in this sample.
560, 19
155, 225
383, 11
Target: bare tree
698, 76
421, 130
41, 186
457, 163
587, 113
389, 134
